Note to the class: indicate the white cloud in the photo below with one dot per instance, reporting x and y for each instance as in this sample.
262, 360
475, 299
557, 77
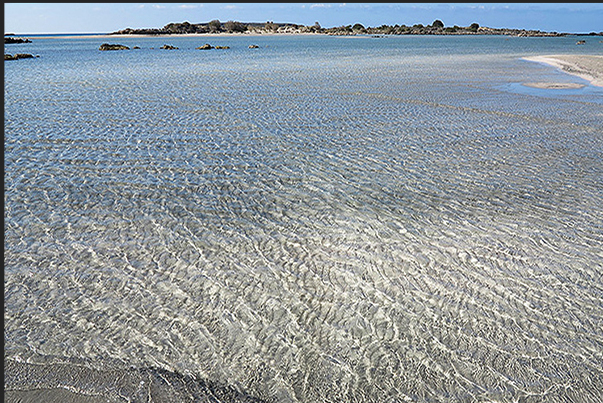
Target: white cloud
320, 5
187, 6
230, 7
157, 6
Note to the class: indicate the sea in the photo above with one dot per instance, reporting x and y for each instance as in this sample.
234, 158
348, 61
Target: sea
318, 219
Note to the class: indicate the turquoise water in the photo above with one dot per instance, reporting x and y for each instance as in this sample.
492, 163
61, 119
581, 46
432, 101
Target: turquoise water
320, 219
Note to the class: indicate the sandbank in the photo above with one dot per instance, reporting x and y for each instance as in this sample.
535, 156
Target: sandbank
588, 67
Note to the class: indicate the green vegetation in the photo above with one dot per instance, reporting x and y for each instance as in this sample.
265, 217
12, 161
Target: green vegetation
235, 26
215, 26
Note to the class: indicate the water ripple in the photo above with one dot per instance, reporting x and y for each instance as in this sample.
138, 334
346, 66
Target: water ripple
300, 227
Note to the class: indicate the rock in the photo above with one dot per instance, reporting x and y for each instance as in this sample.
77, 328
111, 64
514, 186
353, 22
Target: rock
136, 47
16, 40
18, 56
222, 47
169, 47
205, 47
253, 46
580, 42
106, 46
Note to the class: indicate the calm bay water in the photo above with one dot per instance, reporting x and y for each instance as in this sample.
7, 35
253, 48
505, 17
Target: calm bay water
321, 219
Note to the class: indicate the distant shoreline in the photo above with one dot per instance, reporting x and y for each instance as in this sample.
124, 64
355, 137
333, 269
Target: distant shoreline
239, 34
218, 28
118, 36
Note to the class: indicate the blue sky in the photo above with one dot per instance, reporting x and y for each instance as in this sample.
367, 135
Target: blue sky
30, 18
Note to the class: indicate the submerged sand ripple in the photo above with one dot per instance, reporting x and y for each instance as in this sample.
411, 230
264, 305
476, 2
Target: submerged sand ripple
319, 221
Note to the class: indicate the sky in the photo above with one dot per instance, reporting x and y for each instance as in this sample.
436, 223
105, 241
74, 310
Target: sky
42, 18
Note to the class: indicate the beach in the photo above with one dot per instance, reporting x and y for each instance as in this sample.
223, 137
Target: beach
588, 67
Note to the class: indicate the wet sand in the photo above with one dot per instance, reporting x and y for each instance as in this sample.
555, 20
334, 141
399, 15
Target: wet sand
555, 86
56, 395
588, 67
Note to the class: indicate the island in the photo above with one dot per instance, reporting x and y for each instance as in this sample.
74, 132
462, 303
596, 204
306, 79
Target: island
269, 27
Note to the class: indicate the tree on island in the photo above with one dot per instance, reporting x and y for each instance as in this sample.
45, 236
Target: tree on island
358, 27
187, 27
234, 26
270, 26
437, 24
215, 26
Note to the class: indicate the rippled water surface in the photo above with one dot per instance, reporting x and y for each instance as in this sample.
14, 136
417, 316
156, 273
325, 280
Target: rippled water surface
321, 219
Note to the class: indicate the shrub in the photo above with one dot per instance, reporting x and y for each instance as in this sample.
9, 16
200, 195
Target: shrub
215, 26
234, 26
270, 26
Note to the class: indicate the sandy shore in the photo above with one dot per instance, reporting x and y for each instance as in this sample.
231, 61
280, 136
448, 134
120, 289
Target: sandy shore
589, 67
555, 86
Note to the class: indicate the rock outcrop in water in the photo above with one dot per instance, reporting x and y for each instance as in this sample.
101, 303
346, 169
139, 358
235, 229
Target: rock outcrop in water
169, 47
207, 46
18, 56
106, 46
8, 39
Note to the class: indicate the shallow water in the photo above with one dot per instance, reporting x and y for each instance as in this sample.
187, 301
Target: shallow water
319, 219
